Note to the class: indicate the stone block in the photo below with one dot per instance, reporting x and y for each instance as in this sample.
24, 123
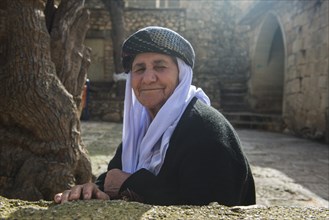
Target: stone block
304, 71
296, 45
311, 97
305, 83
293, 86
310, 57
299, 100
319, 124
323, 82
304, 18
295, 73
324, 103
301, 57
291, 60
324, 67
324, 51
309, 69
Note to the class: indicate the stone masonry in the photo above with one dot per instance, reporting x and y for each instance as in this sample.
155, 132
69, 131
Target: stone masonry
304, 26
224, 35
221, 49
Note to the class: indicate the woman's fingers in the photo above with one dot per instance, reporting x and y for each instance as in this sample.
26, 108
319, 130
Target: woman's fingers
62, 197
58, 198
75, 192
101, 195
91, 191
86, 191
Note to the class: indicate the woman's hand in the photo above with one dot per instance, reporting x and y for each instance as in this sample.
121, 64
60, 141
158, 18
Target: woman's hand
113, 182
85, 192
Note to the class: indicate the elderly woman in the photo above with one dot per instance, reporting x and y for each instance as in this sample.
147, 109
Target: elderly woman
176, 148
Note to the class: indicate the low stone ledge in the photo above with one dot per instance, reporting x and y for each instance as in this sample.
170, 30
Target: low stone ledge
96, 209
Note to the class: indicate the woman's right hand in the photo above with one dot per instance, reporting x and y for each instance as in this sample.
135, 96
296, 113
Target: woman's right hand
86, 191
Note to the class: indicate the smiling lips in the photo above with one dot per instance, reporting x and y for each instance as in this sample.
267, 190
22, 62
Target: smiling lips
150, 89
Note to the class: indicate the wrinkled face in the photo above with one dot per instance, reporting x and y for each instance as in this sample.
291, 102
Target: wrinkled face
154, 78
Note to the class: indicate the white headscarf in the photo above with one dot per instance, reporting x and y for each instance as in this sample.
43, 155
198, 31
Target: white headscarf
144, 141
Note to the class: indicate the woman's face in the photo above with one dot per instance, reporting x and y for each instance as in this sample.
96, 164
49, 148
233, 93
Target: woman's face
154, 78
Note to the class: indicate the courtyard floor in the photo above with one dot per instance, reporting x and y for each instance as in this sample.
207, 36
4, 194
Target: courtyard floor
288, 171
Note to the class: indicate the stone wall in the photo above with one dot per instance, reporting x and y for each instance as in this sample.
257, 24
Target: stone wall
136, 19
220, 46
306, 79
222, 61
304, 25
224, 56
105, 95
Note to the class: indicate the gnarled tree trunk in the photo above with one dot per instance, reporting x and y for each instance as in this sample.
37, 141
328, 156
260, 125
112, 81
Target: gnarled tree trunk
115, 7
41, 80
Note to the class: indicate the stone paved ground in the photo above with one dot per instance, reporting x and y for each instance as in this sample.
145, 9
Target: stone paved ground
288, 171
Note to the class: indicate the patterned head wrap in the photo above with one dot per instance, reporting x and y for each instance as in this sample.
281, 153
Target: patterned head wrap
158, 40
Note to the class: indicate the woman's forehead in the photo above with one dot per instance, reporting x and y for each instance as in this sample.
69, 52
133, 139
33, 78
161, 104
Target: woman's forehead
151, 58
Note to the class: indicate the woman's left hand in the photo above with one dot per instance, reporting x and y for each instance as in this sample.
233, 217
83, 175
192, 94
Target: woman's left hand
113, 182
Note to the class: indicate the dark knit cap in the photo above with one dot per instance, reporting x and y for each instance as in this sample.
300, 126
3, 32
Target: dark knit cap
158, 40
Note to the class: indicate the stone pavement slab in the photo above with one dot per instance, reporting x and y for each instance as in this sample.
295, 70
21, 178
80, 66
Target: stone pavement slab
302, 162
288, 171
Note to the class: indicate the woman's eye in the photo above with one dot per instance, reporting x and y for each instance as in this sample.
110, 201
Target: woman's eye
140, 70
159, 68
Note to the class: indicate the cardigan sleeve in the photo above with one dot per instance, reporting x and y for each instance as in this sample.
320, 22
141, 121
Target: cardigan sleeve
114, 163
149, 189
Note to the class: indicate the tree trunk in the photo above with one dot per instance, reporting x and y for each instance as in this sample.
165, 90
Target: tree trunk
41, 81
115, 8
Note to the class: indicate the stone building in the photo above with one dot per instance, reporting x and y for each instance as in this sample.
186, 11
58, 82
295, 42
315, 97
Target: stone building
289, 63
264, 64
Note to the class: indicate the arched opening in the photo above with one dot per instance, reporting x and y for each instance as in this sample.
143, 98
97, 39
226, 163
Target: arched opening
267, 73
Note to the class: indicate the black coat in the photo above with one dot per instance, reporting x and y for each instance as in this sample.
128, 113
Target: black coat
204, 163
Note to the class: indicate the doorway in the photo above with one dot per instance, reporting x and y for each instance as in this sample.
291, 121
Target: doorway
267, 71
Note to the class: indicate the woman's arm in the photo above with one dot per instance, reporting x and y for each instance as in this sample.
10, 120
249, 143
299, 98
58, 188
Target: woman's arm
144, 186
114, 163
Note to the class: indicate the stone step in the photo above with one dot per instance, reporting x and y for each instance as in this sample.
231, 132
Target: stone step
233, 90
234, 107
272, 122
232, 99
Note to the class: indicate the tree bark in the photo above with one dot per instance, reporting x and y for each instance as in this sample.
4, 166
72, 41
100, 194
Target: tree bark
115, 8
41, 81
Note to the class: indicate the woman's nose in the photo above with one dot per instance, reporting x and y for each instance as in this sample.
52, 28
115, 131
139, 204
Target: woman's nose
149, 76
